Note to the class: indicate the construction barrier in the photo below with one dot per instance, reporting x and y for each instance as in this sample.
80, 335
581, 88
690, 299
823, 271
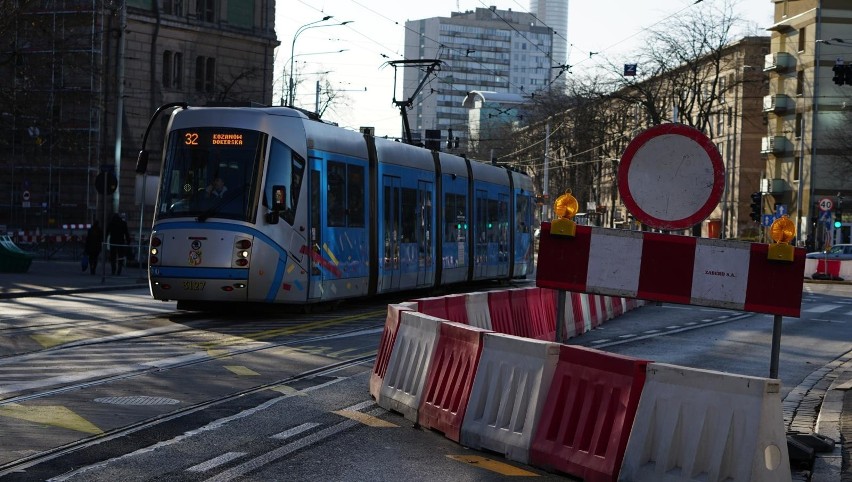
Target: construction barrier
705, 425
522, 321
434, 306
542, 306
500, 310
457, 308
386, 346
588, 413
450, 378
412, 352
508, 394
816, 268
478, 313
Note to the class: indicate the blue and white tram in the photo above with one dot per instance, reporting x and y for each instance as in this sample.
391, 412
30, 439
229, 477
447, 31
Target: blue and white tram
312, 212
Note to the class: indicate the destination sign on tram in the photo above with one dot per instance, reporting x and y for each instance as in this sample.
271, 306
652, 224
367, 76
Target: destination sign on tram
216, 139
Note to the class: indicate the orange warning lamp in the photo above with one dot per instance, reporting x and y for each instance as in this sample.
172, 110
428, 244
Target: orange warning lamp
565, 208
782, 232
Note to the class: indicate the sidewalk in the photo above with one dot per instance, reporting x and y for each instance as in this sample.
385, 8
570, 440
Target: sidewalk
833, 415
46, 278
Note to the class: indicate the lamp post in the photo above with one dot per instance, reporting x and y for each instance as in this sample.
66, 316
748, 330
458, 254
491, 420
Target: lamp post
291, 93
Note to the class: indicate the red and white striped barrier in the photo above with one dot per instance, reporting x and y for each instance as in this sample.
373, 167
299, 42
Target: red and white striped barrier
677, 269
581, 411
816, 268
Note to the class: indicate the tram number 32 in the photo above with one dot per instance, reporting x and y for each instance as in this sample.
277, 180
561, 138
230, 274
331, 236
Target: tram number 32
194, 285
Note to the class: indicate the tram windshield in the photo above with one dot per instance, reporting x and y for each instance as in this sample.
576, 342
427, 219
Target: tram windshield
212, 173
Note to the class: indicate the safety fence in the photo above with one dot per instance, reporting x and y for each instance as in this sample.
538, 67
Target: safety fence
834, 269
466, 367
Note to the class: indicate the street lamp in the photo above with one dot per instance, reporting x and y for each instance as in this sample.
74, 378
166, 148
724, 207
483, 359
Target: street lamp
292, 90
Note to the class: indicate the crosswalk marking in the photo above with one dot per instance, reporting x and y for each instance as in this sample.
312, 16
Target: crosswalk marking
820, 308
294, 431
215, 462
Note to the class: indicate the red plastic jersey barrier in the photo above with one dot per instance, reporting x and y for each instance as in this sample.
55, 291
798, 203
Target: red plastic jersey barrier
450, 378
457, 308
385, 348
436, 307
588, 414
501, 312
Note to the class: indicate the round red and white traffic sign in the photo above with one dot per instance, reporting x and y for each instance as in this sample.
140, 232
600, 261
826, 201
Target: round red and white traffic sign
825, 204
671, 177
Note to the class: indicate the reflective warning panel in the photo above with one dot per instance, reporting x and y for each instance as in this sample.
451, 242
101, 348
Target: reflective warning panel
671, 268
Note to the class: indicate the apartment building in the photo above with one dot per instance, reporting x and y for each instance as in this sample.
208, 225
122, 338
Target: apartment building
808, 170
486, 49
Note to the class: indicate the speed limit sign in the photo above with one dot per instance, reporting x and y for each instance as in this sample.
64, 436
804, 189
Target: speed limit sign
825, 204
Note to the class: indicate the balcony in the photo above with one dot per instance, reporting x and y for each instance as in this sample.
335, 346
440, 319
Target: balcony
776, 103
778, 61
772, 186
773, 144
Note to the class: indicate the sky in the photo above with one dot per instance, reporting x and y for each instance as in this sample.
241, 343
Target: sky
375, 34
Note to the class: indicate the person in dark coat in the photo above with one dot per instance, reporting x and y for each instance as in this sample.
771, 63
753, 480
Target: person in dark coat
94, 240
119, 242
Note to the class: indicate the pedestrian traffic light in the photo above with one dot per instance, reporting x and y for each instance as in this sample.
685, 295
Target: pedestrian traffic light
756, 206
840, 72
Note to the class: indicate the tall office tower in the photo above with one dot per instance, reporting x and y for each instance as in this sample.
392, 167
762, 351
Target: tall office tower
554, 14
483, 50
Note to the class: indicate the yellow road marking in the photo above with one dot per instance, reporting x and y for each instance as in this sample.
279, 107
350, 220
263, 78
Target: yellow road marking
362, 417
289, 391
47, 340
263, 335
493, 465
242, 371
55, 415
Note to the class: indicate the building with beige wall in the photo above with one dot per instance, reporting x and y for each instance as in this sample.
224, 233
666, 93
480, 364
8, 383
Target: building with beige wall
806, 143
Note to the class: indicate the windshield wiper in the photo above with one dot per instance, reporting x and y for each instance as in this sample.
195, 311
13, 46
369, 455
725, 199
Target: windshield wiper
229, 196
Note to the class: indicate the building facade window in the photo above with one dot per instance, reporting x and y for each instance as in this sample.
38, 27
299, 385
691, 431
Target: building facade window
167, 69
802, 39
205, 10
205, 73
800, 83
172, 70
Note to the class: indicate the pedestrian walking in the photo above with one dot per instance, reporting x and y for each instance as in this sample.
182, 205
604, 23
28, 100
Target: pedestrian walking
119, 242
94, 240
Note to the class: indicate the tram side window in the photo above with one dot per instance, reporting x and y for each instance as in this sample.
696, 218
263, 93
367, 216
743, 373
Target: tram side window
355, 196
454, 217
522, 218
286, 168
336, 194
493, 220
409, 215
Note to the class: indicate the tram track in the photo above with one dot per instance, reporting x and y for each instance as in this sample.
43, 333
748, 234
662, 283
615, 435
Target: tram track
212, 351
44, 456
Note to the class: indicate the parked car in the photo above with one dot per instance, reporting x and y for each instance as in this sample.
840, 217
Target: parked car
838, 251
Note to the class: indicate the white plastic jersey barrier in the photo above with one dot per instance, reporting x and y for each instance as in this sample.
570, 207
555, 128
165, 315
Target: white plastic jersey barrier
508, 394
409, 363
478, 314
702, 425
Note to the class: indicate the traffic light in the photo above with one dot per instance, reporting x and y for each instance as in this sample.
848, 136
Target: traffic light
756, 206
840, 73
